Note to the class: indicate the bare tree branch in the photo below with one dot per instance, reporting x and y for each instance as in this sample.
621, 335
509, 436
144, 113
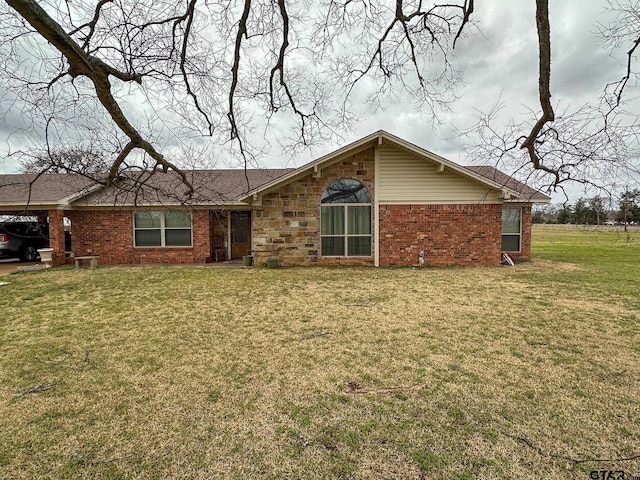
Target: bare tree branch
467, 10
544, 90
183, 60
90, 25
242, 32
81, 63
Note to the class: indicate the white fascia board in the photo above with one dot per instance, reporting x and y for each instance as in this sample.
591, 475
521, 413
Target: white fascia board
8, 206
202, 206
523, 199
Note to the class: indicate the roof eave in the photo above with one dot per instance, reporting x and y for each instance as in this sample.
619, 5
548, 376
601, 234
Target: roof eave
529, 200
363, 143
13, 206
204, 205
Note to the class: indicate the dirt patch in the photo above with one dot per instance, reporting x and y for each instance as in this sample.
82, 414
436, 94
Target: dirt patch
9, 266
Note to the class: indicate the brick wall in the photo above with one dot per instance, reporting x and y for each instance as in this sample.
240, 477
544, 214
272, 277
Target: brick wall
448, 234
288, 226
56, 237
109, 234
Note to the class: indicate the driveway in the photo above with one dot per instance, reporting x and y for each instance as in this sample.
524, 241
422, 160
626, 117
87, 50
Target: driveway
11, 265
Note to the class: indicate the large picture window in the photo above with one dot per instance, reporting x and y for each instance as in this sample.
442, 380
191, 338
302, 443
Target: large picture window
345, 219
162, 229
511, 229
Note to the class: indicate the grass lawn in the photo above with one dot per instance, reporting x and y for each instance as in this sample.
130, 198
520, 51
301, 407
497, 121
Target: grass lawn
457, 373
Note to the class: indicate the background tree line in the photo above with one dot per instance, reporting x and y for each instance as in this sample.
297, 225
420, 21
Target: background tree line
595, 210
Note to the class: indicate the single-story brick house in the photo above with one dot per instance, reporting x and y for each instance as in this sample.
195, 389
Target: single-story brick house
378, 201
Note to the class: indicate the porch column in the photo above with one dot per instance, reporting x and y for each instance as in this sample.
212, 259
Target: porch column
56, 236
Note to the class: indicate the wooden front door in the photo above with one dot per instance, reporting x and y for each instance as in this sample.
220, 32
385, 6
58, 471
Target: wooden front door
240, 234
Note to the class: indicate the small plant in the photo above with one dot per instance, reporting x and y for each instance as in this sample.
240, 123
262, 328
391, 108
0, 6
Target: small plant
214, 396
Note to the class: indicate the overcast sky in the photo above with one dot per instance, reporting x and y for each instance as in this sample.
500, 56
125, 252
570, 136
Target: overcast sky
501, 64
498, 64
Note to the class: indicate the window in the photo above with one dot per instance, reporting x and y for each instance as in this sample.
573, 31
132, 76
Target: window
511, 228
345, 219
162, 229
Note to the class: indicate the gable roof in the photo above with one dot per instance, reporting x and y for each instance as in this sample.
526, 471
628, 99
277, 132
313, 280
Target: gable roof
493, 179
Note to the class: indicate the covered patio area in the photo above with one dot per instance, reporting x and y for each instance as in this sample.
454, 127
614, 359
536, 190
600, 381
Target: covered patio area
230, 234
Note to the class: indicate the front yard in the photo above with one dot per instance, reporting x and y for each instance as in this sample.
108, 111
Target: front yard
197, 372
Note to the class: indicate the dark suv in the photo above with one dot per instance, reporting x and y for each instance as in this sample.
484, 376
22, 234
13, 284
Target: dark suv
23, 239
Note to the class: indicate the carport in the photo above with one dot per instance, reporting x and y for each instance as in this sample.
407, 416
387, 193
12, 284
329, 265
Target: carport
43, 196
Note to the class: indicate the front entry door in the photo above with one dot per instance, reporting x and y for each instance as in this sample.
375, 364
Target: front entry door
240, 234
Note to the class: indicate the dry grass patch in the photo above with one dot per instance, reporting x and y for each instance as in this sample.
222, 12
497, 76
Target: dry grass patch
316, 373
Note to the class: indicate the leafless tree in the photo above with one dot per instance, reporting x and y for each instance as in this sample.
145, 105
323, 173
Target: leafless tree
142, 79
81, 161
593, 144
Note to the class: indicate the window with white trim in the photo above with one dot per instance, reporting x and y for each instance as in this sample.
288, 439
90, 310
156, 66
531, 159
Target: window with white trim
511, 229
345, 219
170, 228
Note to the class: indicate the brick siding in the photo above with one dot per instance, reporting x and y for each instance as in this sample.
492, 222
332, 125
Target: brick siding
448, 234
56, 237
109, 234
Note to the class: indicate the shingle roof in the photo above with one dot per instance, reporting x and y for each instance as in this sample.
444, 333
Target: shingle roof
47, 189
212, 187
527, 194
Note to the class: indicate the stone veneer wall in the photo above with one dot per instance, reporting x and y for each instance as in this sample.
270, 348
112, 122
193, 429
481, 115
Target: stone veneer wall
109, 234
467, 234
288, 226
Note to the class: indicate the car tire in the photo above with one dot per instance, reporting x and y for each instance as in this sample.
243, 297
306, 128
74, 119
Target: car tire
29, 253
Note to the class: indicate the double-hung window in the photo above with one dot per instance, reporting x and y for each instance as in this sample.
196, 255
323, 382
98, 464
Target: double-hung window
162, 228
345, 219
511, 229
